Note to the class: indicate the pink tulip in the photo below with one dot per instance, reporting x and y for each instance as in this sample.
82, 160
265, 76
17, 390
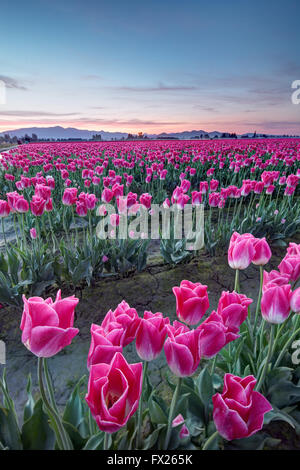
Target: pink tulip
47, 326
274, 278
214, 199
185, 185
103, 346
262, 252
33, 233
241, 250
91, 201
114, 220
213, 336
37, 205
239, 411
295, 301
145, 200
293, 249
233, 308
177, 421
275, 303
69, 196
196, 198
4, 208
123, 317
131, 199
12, 197
21, 205
290, 265
114, 392
49, 205
184, 432
191, 301
259, 186
166, 203
203, 187
81, 208
213, 185
102, 210
43, 191
182, 200
107, 195
181, 349
151, 335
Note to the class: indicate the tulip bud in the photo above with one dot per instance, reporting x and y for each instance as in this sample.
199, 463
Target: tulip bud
275, 303
262, 252
295, 301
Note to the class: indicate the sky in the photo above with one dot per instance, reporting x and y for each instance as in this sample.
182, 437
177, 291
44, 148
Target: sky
151, 66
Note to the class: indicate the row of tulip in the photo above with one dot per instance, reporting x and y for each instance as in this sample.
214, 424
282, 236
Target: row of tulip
55, 194
68, 180
238, 342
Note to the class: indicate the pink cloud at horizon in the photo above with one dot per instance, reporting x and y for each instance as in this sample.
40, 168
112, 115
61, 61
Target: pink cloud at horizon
158, 126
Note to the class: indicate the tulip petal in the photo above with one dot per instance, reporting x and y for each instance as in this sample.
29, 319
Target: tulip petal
260, 406
228, 422
46, 341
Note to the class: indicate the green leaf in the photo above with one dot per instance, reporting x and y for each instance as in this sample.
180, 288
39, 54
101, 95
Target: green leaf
279, 415
74, 412
205, 386
29, 405
151, 440
157, 414
214, 443
82, 271
36, 431
95, 442
77, 440
9, 430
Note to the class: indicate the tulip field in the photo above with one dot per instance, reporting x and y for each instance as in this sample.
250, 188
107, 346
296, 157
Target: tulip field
227, 357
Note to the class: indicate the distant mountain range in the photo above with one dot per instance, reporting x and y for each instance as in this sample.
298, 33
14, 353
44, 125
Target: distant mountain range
58, 132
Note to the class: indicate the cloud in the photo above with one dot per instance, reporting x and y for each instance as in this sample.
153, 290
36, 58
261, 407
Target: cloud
280, 125
161, 87
91, 122
25, 113
91, 77
209, 109
12, 83
128, 122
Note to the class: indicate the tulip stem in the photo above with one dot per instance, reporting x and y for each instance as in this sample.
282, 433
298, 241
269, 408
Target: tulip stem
106, 441
210, 440
49, 385
259, 298
213, 367
62, 440
264, 371
16, 230
236, 283
24, 233
4, 235
172, 412
140, 409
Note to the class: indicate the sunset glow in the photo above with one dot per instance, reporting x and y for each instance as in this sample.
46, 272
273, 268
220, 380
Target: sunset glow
156, 67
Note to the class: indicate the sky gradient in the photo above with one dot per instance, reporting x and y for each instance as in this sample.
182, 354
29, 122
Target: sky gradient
156, 66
